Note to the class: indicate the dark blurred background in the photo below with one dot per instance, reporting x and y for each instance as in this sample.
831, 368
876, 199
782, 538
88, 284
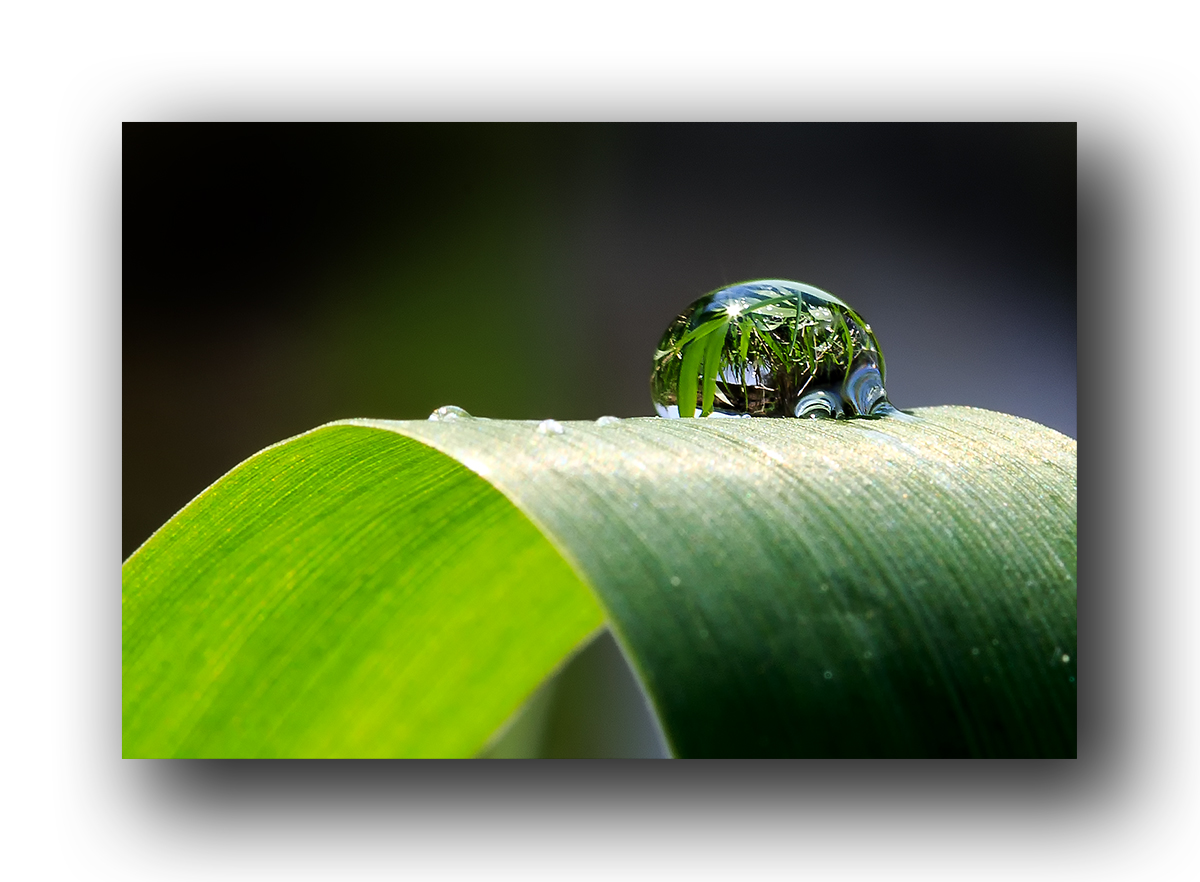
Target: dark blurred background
277, 277
280, 276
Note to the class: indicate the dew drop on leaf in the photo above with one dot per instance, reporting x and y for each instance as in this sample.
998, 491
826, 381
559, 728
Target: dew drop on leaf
550, 427
448, 412
769, 348
608, 421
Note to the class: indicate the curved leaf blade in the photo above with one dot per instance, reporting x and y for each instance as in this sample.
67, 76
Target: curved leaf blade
350, 592
903, 586
893, 587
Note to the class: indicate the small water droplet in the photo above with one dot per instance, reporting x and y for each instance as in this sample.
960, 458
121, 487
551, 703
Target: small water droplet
868, 654
449, 412
550, 427
974, 650
824, 586
829, 675
608, 421
769, 348
1070, 679
675, 580
995, 642
1066, 658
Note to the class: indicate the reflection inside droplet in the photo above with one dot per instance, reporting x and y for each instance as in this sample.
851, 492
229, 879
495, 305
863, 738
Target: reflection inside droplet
819, 403
863, 386
769, 348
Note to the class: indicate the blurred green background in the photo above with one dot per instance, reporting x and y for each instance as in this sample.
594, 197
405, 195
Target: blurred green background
276, 277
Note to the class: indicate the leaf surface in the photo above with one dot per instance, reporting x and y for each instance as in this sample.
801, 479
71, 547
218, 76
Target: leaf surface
349, 592
902, 586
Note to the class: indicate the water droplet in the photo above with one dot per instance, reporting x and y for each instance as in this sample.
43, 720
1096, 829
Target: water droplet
675, 580
449, 412
608, 421
1070, 679
829, 675
995, 642
769, 348
974, 650
1066, 658
550, 427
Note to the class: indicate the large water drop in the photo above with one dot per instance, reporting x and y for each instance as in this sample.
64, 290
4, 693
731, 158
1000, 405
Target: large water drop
769, 348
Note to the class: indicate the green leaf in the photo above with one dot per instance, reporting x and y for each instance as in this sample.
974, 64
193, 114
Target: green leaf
713, 345
703, 330
769, 339
689, 375
350, 592
902, 586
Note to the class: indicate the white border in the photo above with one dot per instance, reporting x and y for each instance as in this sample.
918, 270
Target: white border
70, 73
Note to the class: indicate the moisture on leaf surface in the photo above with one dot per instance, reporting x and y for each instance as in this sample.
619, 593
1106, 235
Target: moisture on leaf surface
769, 348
